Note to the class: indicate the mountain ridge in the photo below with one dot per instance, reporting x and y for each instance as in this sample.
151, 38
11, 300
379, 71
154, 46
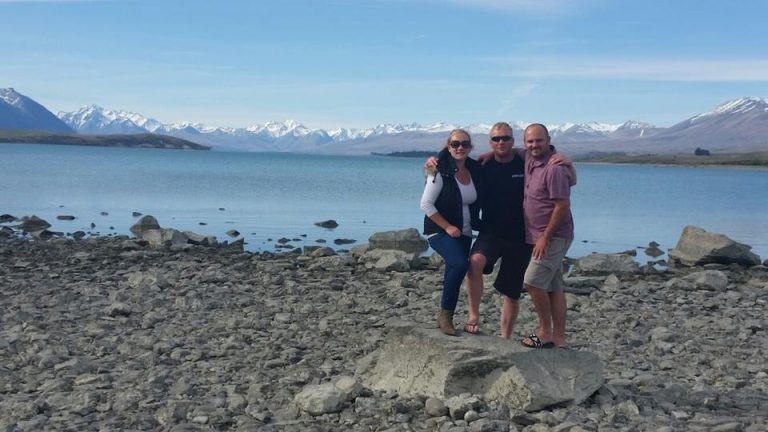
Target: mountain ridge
738, 125
20, 112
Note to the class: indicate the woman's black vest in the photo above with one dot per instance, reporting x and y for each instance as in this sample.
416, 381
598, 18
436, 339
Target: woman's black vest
449, 201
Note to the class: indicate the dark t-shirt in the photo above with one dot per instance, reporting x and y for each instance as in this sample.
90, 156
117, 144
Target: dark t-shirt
503, 187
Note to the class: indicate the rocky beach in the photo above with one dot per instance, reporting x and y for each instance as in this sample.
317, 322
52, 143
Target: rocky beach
165, 330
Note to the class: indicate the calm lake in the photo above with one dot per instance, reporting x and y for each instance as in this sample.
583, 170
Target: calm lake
269, 196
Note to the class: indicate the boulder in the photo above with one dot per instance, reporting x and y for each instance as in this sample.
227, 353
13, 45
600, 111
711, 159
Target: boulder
653, 251
199, 239
144, 224
358, 251
318, 399
65, 217
6, 232
330, 224
45, 234
164, 237
422, 362
436, 260
435, 407
349, 386
407, 240
233, 233
238, 245
712, 280
385, 260
343, 241
5, 218
33, 224
323, 252
698, 247
599, 263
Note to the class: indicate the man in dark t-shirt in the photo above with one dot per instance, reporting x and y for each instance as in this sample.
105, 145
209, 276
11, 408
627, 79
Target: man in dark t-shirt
502, 234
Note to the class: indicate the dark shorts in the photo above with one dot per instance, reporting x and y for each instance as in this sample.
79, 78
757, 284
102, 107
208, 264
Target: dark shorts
514, 260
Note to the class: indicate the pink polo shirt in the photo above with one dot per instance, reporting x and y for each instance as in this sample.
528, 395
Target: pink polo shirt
543, 185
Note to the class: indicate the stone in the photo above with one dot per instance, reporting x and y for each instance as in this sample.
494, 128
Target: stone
165, 237
471, 416
118, 309
407, 240
45, 234
343, 241
385, 260
233, 233
697, 247
318, 399
65, 217
728, 427
330, 224
654, 252
323, 252
5, 231
148, 280
5, 218
435, 407
199, 239
33, 224
460, 405
358, 251
599, 263
239, 245
349, 386
416, 361
488, 425
436, 260
143, 225
712, 280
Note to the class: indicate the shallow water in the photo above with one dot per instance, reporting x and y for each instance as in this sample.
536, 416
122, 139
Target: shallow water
268, 196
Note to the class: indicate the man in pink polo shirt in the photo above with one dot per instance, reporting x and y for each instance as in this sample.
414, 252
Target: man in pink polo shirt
549, 228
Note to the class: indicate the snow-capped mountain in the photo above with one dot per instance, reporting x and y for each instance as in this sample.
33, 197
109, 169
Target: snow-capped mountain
737, 106
93, 119
737, 125
20, 112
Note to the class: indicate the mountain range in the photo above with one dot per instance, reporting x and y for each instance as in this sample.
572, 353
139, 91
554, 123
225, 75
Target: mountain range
738, 125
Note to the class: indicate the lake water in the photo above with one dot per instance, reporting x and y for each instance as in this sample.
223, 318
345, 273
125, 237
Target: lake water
269, 196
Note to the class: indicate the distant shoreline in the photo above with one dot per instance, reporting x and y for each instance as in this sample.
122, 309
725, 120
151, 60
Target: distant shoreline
751, 159
126, 140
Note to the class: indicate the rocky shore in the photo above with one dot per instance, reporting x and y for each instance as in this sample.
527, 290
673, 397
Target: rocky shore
119, 333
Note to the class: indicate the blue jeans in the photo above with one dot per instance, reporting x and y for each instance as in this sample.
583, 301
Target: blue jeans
455, 252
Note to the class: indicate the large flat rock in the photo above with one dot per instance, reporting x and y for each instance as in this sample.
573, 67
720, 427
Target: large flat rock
417, 361
697, 246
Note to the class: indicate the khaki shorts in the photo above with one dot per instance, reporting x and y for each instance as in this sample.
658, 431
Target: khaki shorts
547, 273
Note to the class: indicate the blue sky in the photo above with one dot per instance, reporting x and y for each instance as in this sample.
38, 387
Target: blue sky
358, 63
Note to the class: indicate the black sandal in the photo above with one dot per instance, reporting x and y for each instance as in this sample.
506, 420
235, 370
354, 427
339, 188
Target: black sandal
536, 342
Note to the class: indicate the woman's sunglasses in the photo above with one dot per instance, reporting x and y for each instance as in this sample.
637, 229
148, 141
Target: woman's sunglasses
457, 144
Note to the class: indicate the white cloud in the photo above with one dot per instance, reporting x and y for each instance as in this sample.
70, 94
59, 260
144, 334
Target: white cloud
692, 70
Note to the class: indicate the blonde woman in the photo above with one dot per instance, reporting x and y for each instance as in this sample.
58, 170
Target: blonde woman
451, 204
